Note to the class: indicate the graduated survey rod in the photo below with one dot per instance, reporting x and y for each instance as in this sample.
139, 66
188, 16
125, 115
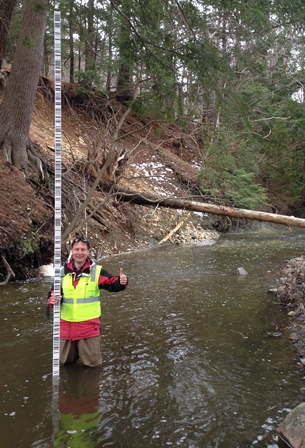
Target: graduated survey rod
57, 192
185, 204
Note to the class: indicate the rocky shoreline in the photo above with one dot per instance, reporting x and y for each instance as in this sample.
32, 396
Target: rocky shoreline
290, 292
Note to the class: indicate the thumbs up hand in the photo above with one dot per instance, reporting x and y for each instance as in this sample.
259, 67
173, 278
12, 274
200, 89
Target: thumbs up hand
123, 278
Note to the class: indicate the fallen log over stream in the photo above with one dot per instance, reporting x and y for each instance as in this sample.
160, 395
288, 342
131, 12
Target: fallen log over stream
185, 204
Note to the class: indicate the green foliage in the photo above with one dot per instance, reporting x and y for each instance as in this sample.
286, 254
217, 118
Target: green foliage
28, 246
228, 70
88, 79
142, 107
243, 190
223, 179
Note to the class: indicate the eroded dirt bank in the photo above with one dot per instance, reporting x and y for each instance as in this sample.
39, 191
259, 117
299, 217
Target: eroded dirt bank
27, 227
157, 160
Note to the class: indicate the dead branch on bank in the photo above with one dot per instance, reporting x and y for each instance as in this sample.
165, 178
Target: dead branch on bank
74, 224
172, 232
184, 204
10, 272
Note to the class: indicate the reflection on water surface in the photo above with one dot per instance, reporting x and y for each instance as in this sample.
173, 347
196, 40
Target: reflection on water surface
188, 357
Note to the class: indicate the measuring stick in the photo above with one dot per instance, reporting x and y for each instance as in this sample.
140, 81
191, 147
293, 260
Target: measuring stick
57, 193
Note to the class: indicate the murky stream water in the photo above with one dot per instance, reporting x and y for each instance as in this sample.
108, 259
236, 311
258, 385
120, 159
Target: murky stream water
189, 356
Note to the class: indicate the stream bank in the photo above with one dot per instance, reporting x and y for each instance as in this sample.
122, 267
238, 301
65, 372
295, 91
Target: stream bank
290, 292
150, 163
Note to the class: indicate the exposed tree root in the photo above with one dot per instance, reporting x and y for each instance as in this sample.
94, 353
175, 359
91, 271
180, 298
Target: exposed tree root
10, 272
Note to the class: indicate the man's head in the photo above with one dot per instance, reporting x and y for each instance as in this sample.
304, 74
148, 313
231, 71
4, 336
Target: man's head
80, 251
82, 240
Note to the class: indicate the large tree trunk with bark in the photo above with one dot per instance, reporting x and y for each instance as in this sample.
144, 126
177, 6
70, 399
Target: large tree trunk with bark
19, 95
148, 199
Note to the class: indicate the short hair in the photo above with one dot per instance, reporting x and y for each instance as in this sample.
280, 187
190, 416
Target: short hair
80, 239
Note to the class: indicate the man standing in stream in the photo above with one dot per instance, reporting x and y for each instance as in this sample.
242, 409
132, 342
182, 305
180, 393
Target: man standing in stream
80, 308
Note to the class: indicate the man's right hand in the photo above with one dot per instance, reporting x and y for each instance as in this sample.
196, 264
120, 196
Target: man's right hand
52, 300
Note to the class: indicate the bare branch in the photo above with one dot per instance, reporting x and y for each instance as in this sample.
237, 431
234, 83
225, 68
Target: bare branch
10, 272
75, 221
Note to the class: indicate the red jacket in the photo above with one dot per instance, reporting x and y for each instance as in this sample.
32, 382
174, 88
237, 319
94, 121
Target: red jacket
73, 331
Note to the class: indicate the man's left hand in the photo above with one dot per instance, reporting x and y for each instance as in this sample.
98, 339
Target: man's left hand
123, 278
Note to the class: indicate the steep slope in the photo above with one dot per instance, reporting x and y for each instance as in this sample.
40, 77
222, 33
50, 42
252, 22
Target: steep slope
154, 159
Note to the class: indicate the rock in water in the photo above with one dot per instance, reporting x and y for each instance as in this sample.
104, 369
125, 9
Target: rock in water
292, 429
241, 271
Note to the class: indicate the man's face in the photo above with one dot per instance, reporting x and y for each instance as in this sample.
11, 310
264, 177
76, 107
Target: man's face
80, 252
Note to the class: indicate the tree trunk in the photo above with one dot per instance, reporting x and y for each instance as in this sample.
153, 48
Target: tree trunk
110, 55
71, 41
124, 79
147, 199
89, 43
19, 95
6, 12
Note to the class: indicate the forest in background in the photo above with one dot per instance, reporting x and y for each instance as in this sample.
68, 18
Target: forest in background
229, 75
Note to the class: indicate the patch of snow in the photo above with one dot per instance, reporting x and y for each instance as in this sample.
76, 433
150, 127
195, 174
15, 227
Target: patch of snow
158, 173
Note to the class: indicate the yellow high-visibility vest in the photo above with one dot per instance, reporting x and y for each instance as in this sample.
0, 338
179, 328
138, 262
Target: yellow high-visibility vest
83, 302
